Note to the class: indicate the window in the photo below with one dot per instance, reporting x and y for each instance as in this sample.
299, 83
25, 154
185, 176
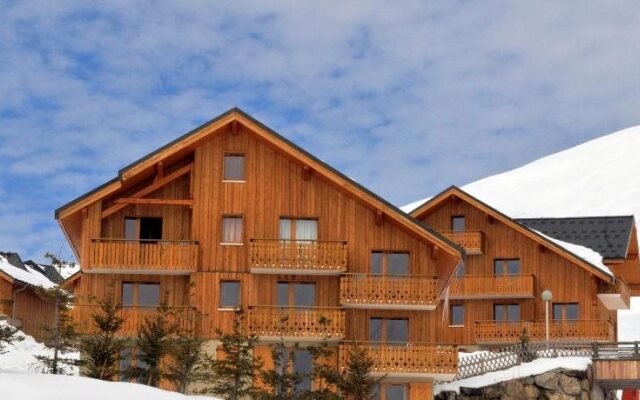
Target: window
229, 294
566, 311
460, 270
506, 266
394, 330
297, 294
457, 224
390, 392
298, 229
125, 362
148, 229
389, 263
231, 229
456, 316
303, 364
234, 167
140, 294
506, 312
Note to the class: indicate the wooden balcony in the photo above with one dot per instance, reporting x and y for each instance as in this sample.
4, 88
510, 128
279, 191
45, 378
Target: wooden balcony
407, 362
166, 257
300, 257
471, 241
296, 324
492, 287
616, 296
498, 332
133, 316
388, 292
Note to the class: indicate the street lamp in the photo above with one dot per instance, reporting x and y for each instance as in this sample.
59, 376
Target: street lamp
546, 297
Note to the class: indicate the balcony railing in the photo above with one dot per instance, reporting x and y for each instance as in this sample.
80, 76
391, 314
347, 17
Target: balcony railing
616, 296
142, 256
313, 257
471, 241
296, 323
493, 332
408, 361
491, 287
388, 291
133, 317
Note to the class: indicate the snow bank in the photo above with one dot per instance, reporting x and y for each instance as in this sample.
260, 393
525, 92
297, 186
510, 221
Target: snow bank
30, 276
535, 367
25, 386
20, 357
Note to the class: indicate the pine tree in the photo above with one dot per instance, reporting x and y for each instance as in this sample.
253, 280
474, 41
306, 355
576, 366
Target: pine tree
61, 338
8, 336
187, 353
356, 382
281, 382
233, 376
102, 348
154, 343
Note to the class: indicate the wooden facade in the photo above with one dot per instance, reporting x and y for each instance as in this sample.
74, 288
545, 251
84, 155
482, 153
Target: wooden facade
541, 266
184, 184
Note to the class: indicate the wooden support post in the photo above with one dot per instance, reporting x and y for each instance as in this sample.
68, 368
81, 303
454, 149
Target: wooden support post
435, 250
306, 172
159, 171
379, 217
234, 128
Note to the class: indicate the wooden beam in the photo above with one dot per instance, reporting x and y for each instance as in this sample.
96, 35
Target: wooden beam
379, 217
306, 172
234, 128
151, 188
155, 202
159, 171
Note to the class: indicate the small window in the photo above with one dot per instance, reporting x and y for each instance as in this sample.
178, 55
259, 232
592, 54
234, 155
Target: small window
127, 294
389, 330
298, 229
389, 263
131, 228
457, 224
503, 266
456, 315
303, 364
395, 392
149, 294
125, 362
566, 311
234, 167
229, 294
296, 294
506, 312
231, 229
150, 229
460, 271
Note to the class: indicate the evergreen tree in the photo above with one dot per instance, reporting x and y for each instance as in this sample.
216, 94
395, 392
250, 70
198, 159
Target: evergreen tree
102, 348
233, 376
187, 353
62, 336
281, 382
356, 383
8, 336
324, 375
154, 343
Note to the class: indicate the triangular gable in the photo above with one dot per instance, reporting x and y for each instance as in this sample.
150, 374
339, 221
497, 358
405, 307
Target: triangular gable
438, 199
189, 141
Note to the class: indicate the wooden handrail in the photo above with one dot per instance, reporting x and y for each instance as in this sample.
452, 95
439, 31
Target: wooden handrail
175, 256
153, 241
356, 289
298, 322
315, 256
511, 331
471, 241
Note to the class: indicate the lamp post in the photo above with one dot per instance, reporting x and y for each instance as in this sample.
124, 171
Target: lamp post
546, 297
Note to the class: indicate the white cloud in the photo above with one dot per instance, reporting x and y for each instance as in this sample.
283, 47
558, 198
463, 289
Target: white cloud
407, 100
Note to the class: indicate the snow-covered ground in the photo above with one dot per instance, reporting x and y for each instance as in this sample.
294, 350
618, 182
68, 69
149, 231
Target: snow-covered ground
535, 367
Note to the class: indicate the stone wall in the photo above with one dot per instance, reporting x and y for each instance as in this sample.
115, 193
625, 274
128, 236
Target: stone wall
558, 384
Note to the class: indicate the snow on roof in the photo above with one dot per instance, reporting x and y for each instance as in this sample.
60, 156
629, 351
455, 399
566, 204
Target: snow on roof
27, 275
585, 253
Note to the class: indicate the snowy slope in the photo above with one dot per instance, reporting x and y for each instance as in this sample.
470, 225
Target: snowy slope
599, 177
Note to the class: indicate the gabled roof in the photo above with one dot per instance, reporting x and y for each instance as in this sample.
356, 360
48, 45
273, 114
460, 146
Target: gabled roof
548, 242
14, 270
609, 236
235, 115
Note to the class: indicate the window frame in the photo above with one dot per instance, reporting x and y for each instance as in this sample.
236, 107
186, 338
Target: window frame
384, 339
224, 167
136, 294
451, 322
293, 228
222, 307
563, 311
464, 223
505, 313
242, 234
504, 262
291, 293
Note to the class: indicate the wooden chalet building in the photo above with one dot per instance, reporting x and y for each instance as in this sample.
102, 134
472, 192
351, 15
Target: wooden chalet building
234, 215
496, 294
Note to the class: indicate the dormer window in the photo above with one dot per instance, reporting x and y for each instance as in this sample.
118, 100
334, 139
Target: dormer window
234, 167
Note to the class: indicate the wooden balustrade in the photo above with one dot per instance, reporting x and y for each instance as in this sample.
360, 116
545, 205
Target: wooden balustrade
616, 296
471, 241
133, 316
142, 256
492, 287
315, 257
511, 331
407, 359
388, 291
272, 323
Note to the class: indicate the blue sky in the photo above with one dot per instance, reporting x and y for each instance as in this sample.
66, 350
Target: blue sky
404, 99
